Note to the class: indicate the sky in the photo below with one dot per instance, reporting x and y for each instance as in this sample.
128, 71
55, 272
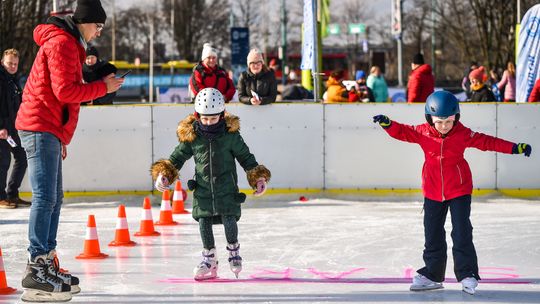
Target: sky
380, 6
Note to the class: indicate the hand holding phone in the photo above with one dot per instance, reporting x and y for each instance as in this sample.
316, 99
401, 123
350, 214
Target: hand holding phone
125, 74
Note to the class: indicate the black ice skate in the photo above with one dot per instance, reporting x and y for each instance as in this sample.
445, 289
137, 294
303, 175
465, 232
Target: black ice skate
207, 268
41, 286
235, 261
54, 269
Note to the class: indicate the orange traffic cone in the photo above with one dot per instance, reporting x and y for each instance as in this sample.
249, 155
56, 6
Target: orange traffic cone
147, 224
165, 215
121, 237
91, 242
4, 289
178, 199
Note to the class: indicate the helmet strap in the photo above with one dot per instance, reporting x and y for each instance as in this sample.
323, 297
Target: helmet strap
429, 119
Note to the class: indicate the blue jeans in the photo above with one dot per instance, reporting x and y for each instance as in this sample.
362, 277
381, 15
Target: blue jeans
44, 154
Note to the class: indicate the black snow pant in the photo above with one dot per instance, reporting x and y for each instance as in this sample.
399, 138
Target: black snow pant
463, 252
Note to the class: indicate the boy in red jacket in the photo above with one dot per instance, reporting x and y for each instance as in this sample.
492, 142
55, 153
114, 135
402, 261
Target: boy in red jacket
447, 184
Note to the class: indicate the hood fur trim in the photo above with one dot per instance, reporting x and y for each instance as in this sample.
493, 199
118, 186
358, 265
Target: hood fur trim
186, 131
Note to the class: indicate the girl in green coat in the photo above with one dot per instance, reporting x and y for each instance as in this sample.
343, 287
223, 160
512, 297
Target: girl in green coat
212, 137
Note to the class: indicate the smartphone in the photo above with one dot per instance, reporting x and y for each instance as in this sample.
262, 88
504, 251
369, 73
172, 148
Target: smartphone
125, 74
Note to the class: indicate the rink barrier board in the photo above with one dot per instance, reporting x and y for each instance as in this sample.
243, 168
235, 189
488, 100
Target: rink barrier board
306, 146
517, 193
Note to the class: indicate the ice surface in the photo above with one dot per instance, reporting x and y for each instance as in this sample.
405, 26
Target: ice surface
324, 250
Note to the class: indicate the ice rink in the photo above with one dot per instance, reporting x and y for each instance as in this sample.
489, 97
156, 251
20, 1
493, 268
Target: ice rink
324, 250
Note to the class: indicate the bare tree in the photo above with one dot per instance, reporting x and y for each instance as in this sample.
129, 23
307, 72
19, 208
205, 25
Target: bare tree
19, 18
132, 36
354, 12
194, 25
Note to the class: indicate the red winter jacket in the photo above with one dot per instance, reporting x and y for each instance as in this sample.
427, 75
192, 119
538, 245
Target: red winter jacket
535, 93
446, 174
54, 89
206, 77
421, 84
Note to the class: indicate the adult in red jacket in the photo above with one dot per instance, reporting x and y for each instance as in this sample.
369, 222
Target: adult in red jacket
447, 185
535, 93
421, 80
46, 121
207, 74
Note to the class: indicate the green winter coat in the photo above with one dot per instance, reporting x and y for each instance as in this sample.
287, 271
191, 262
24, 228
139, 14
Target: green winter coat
216, 192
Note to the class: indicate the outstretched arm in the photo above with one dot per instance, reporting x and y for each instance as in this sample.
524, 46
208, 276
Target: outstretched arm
257, 175
485, 142
397, 130
165, 171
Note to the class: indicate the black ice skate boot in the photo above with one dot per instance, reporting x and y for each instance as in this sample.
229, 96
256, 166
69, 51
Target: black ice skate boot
235, 261
54, 269
41, 286
207, 268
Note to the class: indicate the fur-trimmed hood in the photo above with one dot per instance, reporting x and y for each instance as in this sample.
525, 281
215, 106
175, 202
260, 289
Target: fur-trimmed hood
186, 131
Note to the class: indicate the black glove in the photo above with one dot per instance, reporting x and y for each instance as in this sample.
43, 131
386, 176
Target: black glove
522, 148
383, 120
105, 70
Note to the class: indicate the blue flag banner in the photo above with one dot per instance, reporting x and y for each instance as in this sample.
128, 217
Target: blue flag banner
308, 48
239, 45
528, 60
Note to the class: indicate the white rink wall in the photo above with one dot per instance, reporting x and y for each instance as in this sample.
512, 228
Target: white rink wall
305, 145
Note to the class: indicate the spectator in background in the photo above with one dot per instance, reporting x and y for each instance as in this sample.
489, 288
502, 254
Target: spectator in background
10, 143
466, 83
377, 84
208, 74
491, 83
46, 121
95, 69
257, 85
335, 90
479, 90
421, 81
273, 65
361, 92
535, 93
508, 82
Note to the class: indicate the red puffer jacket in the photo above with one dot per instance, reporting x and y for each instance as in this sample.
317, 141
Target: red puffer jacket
206, 77
421, 84
535, 93
446, 173
54, 89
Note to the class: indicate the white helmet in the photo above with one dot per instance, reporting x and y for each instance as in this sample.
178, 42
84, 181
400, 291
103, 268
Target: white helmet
209, 101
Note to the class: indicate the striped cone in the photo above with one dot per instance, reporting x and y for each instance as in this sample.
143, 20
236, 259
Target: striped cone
121, 237
165, 215
147, 223
91, 242
4, 289
178, 199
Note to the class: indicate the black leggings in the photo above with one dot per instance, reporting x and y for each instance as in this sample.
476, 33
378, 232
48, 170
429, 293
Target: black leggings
207, 235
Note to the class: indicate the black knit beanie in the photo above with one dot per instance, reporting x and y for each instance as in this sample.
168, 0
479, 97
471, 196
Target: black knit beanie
89, 11
92, 51
418, 59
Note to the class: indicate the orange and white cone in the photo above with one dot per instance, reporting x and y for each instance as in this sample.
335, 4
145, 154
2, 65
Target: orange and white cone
91, 242
121, 237
165, 215
147, 223
4, 289
178, 199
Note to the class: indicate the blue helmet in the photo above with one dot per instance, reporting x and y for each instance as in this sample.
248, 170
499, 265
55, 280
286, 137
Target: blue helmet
442, 104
